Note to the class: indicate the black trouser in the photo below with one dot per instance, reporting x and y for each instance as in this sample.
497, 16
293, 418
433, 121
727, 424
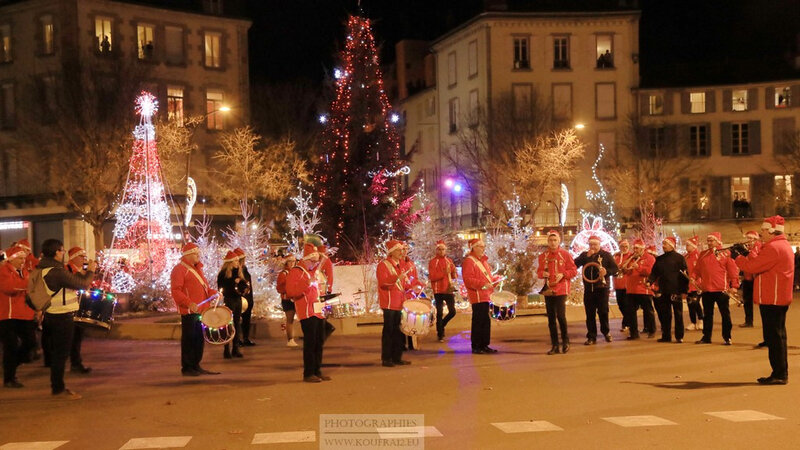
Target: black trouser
235, 305
557, 312
622, 304
595, 303
192, 342
481, 326
75, 349
246, 316
695, 307
747, 301
666, 307
441, 299
392, 337
15, 335
59, 328
645, 302
723, 303
313, 339
45, 345
773, 321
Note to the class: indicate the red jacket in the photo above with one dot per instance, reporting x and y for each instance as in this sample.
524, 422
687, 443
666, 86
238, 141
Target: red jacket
554, 263
438, 269
189, 285
619, 278
691, 262
716, 272
281, 284
30, 262
412, 279
326, 267
774, 270
302, 289
636, 278
477, 275
391, 289
12, 294
749, 276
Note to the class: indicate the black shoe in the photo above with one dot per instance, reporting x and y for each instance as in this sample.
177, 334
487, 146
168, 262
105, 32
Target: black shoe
746, 325
679, 341
248, 343
488, 349
554, 350
401, 363
761, 344
387, 364
80, 368
590, 342
664, 340
191, 373
323, 377
13, 384
312, 379
565, 348
608, 337
478, 351
237, 354
632, 338
772, 380
207, 372
703, 341
226, 354
727, 342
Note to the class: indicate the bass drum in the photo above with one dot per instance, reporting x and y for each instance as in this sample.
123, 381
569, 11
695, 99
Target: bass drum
503, 306
417, 317
218, 325
95, 308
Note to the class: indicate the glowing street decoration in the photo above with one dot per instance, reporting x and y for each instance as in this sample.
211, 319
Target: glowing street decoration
564, 204
609, 216
191, 199
581, 242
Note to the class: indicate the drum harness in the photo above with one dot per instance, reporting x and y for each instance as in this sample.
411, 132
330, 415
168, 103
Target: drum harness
482, 269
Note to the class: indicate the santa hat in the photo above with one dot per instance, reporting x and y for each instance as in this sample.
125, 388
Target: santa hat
624, 241
239, 252
752, 234
16, 251
25, 244
231, 256
190, 248
474, 242
554, 233
652, 249
671, 241
75, 252
773, 224
322, 249
393, 245
717, 236
309, 250
638, 243
694, 241
440, 244
594, 237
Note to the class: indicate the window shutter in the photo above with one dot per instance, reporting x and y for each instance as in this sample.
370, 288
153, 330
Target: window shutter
685, 203
752, 99
671, 141
795, 100
644, 104
686, 106
668, 99
711, 102
727, 100
721, 207
682, 143
708, 138
754, 136
762, 193
769, 98
725, 138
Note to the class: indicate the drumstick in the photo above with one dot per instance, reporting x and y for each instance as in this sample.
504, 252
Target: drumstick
208, 299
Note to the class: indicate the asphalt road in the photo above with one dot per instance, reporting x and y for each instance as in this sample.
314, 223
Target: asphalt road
136, 391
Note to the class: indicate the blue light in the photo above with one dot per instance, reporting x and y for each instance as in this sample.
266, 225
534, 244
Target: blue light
457, 187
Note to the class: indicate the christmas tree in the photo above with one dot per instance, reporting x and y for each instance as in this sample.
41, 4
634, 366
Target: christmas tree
358, 172
142, 253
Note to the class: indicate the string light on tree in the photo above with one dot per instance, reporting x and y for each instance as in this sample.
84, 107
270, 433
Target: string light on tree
607, 212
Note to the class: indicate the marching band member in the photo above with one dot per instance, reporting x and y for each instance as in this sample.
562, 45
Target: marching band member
717, 273
668, 271
479, 282
326, 270
302, 287
557, 268
413, 287
619, 280
637, 293
391, 295
30, 261
16, 317
77, 260
192, 296
773, 267
595, 295
231, 283
286, 303
693, 303
442, 275
753, 245
247, 293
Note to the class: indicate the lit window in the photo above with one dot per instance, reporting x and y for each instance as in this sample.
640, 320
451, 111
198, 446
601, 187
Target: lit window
144, 41
698, 102
698, 140
783, 97
522, 58
103, 34
783, 188
213, 104
739, 139
175, 104
605, 52
212, 41
48, 42
739, 100
5, 43
698, 195
740, 191
656, 104
453, 115
561, 52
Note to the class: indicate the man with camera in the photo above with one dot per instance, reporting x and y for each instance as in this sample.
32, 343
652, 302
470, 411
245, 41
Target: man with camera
598, 266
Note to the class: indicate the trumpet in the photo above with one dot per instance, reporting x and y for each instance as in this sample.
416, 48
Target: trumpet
733, 294
691, 280
626, 267
728, 247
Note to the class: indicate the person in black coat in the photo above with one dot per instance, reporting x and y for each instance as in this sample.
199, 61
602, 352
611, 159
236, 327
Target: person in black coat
595, 294
247, 293
670, 273
230, 282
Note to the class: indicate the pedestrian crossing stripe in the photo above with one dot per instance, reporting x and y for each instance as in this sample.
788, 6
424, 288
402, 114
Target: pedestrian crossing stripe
408, 432
639, 421
745, 415
530, 426
41, 445
285, 437
157, 442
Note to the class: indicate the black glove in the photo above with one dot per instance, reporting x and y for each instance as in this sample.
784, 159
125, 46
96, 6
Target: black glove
738, 249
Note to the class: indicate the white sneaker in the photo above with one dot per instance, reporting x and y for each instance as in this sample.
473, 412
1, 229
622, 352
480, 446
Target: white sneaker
291, 343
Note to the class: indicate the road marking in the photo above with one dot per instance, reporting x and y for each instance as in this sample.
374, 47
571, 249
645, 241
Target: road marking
41, 445
284, 437
157, 442
639, 421
530, 426
745, 415
408, 432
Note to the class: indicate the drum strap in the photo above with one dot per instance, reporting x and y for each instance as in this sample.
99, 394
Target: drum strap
481, 267
198, 276
393, 272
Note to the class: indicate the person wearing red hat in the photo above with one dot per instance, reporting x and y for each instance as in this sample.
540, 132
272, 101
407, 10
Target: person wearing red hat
479, 281
30, 261
413, 287
232, 285
595, 294
622, 256
246, 292
78, 263
391, 295
192, 296
753, 245
693, 303
717, 273
773, 267
668, 271
302, 287
442, 275
17, 326
325, 279
638, 292
286, 303
556, 268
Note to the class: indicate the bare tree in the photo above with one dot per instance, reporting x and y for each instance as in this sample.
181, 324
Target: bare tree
175, 144
787, 196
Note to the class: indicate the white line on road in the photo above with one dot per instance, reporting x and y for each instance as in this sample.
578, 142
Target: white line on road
284, 437
42, 445
408, 432
530, 426
157, 442
639, 421
745, 415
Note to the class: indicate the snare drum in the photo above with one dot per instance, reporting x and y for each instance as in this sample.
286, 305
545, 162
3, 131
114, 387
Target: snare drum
218, 325
338, 309
503, 306
417, 318
95, 308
